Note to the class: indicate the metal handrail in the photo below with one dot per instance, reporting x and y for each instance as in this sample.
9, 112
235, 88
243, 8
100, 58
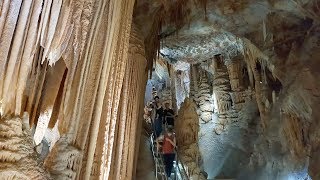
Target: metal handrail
185, 174
163, 171
159, 166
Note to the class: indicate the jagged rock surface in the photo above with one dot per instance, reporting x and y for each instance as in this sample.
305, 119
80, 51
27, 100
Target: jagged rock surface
72, 65
203, 99
17, 154
187, 129
268, 52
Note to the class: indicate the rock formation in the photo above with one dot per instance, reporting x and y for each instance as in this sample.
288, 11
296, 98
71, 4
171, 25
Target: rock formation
73, 78
203, 99
256, 52
70, 65
187, 129
17, 151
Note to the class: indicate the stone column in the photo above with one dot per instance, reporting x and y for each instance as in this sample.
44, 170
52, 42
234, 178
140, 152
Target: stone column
193, 81
237, 90
95, 94
221, 88
173, 89
204, 99
116, 159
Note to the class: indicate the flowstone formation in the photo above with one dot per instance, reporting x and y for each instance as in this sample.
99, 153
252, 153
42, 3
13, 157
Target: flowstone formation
17, 151
187, 129
78, 67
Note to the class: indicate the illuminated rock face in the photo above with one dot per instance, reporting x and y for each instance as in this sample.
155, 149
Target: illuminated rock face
187, 129
18, 158
261, 57
78, 68
203, 95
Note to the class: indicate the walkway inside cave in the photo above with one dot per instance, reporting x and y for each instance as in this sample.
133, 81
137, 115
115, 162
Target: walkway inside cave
158, 108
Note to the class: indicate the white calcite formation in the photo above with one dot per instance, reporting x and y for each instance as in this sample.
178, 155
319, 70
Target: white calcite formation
187, 129
78, 67
17, 155
166, 96
265, 83
203, 99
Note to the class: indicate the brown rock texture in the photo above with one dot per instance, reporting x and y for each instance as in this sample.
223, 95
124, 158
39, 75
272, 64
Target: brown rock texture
187, 128
72, 64
18, 158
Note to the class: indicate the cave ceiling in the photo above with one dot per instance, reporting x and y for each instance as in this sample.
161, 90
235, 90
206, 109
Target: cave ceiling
216, 29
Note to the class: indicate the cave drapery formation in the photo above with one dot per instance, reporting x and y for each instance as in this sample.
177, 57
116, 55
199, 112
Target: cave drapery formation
242, 75
77, 64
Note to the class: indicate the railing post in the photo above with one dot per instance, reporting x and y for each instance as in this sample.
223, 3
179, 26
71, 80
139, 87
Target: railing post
177, 164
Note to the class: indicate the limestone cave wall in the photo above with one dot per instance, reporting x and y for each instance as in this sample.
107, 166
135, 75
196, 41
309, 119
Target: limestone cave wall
78, 66
262, 58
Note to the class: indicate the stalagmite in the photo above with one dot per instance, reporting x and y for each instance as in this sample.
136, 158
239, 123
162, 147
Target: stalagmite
187, 128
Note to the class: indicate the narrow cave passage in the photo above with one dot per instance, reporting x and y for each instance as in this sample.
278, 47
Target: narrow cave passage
240, 80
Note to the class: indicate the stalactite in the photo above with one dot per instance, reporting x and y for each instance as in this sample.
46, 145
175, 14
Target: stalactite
19, 40
59, 55
252, 55
25, 63
49, 95
9, 23
127, 123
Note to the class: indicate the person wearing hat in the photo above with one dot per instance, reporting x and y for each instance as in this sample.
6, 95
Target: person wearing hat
168, 140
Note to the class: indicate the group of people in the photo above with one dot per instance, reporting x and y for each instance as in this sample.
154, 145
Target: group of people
162, 122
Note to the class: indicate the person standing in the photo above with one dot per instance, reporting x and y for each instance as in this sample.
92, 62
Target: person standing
168, 149
159, 117
168, 115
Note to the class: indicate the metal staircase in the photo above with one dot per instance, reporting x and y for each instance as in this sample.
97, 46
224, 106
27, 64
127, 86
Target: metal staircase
158, 161
179, 172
